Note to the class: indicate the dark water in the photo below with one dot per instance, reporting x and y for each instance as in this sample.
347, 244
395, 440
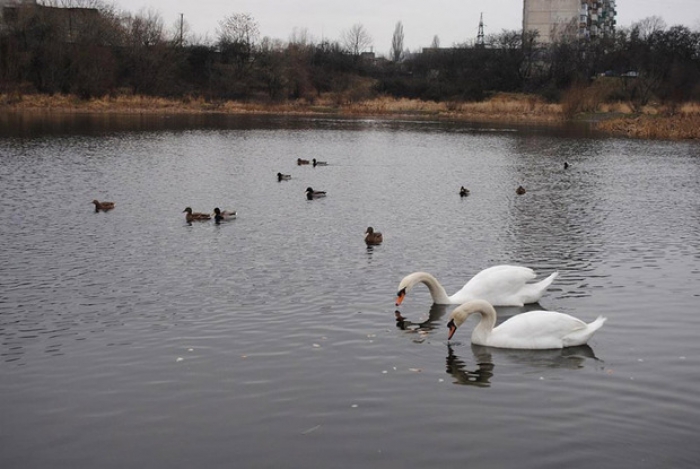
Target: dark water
130, 339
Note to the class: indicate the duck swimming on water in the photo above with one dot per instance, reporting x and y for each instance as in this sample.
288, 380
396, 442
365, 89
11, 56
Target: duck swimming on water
104, 206
223, 215
195, 216
372, 238
312, 194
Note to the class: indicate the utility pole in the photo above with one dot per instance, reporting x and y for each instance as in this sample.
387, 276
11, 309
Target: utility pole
182, 27
480, 35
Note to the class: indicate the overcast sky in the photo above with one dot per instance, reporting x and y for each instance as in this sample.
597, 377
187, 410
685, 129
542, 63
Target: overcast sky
453, 21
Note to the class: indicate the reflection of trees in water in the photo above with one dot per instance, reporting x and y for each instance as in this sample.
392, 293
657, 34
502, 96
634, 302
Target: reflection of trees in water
485, 358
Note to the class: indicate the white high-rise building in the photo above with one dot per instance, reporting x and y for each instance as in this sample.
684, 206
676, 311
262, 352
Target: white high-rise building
554, 19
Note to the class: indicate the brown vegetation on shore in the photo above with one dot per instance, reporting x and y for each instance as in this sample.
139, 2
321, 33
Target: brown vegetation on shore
680, 126
616, 118
502, 107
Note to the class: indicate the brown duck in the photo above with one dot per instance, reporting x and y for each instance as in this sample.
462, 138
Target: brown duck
373, 237
195, 216
104, 206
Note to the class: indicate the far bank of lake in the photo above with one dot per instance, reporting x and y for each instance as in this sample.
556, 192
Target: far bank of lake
652, 122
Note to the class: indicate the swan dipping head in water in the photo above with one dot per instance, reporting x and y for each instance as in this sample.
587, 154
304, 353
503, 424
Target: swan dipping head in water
530, 330
501, 285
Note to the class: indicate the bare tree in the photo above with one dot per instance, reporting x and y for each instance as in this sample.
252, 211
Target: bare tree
145, 29
239, 28
397, 43
649, 26
356, 39
301, 37
436, 42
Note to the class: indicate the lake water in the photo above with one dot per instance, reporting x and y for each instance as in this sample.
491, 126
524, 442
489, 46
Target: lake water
132, 339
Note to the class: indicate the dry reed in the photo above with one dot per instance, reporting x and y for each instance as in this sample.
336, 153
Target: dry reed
682, 126
675, 122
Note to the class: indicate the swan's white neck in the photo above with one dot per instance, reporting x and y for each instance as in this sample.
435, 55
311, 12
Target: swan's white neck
483, 330
436, 290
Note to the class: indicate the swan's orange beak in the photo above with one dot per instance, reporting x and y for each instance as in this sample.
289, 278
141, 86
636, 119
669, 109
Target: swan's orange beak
451, 326
400, 296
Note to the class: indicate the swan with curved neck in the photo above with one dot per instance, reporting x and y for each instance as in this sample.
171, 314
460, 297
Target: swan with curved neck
501, 285
530, 330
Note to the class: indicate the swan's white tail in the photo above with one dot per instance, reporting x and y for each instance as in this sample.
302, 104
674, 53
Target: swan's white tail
535, 290
582, 336
544, 284
597, 324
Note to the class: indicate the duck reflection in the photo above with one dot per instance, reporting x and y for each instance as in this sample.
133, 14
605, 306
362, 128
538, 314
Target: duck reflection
485, 358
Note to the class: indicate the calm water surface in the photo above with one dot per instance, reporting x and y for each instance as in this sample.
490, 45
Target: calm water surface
130, 339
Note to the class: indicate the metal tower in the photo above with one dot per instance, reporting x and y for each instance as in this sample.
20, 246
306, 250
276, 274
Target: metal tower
480, 35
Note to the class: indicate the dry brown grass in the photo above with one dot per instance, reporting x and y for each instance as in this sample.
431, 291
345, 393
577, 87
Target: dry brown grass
518, 106
682, 126
675, 122
501, 107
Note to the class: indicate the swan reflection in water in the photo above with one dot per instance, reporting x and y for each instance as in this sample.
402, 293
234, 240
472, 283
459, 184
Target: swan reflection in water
485, 358
422, 329
480, 377
438, 311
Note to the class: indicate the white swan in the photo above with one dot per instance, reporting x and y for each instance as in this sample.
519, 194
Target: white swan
501, 285
530, 330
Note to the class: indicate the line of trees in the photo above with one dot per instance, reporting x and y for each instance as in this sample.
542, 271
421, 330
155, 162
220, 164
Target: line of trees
101, 51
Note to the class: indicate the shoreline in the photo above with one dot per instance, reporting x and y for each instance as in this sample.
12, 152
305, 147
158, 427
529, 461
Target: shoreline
682, 124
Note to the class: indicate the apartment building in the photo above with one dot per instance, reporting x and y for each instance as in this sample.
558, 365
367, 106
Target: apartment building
583, 19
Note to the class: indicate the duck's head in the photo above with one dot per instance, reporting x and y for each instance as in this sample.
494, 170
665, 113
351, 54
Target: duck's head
188, 210
369, 231
309, 190
217, 211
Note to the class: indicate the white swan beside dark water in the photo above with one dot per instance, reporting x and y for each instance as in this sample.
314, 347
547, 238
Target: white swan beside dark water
530, 330
501, 285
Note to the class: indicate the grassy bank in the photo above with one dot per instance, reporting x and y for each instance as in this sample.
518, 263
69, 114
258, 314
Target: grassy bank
651, 122
501, 107
681, 125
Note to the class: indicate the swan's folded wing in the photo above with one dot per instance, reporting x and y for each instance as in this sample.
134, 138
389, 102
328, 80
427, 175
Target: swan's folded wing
536, 329
496, 283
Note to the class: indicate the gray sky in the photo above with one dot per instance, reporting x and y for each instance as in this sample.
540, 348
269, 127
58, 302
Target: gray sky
453, 21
